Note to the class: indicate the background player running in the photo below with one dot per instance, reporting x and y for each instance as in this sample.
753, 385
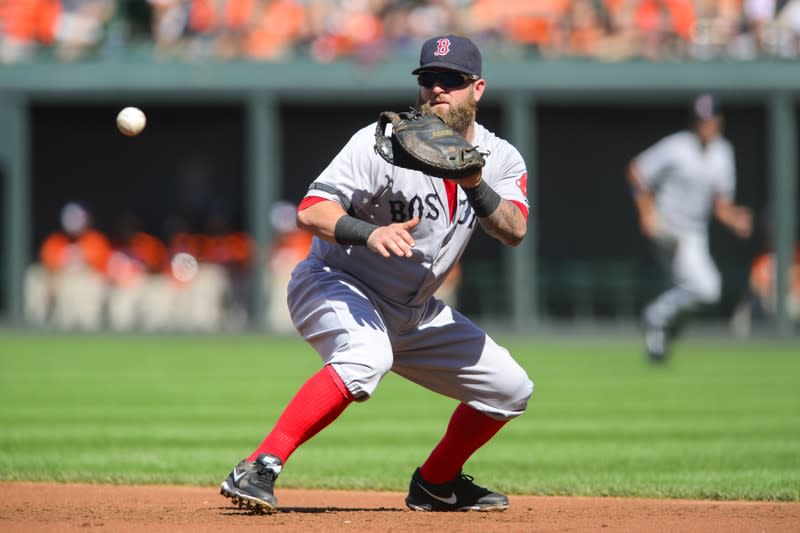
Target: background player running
678, 183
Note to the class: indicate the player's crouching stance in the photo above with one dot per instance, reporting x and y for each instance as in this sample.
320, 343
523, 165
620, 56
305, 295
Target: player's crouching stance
385, 238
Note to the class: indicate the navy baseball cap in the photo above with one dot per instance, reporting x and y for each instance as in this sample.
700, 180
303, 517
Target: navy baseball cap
706, 106
450, 52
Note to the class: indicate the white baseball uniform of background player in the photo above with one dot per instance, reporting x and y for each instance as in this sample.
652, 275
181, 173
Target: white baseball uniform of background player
678, 183
385, 239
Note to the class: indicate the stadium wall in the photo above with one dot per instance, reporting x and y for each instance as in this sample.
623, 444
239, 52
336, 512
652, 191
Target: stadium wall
577, 123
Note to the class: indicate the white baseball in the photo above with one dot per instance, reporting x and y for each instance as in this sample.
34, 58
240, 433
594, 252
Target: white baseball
184, 267
131, 121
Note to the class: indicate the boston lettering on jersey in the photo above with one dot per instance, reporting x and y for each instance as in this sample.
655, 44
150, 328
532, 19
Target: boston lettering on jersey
427, 208
401, 210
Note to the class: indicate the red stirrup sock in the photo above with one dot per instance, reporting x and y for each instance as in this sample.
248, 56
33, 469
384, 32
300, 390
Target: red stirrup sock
319, 402
467, 431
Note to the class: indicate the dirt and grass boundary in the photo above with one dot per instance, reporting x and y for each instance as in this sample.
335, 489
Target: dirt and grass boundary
82, 507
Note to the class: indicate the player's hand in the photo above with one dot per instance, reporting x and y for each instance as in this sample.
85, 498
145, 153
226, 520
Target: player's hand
393, 239
741, 222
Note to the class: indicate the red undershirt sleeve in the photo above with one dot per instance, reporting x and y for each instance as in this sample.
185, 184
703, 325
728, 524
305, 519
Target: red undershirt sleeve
308, 201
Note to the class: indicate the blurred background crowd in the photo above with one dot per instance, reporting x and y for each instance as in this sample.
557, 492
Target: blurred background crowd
90, 278
126, 278
372, 30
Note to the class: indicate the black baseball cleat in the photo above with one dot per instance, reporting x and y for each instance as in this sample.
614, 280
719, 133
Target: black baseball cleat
251, 484
461, 494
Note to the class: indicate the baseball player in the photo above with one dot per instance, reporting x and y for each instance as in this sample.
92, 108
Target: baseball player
385, 239
678, 183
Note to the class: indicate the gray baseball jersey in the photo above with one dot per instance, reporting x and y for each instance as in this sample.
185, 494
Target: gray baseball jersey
367, 315
371, 189
686, 178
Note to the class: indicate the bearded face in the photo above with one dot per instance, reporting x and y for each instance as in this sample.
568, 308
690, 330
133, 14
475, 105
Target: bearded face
458, 116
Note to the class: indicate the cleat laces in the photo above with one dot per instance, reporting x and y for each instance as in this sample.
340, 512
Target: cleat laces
265, 477
464, 486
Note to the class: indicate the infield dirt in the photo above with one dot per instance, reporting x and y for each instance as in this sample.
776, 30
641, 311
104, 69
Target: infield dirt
73, 507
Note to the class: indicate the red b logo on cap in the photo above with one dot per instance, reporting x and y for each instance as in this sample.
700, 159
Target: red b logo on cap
443, 47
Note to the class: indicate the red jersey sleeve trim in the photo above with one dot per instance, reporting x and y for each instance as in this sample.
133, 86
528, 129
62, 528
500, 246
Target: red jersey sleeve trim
522, 207
308, 201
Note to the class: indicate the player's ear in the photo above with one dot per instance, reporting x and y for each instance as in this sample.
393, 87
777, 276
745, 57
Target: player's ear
478, 87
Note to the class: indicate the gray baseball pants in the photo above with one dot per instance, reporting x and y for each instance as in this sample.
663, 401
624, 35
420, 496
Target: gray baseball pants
364, 336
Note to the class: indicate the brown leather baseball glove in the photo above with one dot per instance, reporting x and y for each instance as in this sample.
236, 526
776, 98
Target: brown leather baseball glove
424, 142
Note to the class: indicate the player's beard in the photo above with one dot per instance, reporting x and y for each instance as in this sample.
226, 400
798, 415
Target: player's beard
459, 117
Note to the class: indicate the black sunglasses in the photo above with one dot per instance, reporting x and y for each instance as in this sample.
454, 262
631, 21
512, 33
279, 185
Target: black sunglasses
449, 79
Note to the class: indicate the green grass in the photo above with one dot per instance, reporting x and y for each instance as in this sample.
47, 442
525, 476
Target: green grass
721, 421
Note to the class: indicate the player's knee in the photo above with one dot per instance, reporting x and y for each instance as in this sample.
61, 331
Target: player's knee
522, 393
709, 291
512, 401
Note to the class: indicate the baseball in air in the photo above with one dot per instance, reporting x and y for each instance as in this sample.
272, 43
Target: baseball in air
184, 267
131, 121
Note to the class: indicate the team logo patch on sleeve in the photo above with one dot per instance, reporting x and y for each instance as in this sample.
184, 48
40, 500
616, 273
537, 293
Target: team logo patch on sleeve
522, 183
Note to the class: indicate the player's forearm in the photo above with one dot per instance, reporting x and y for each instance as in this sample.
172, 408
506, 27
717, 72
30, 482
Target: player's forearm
499, 218
645, 204
506, 224
737, 218
642, 196
329, 221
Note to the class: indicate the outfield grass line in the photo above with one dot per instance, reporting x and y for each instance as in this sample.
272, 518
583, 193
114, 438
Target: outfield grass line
721, 421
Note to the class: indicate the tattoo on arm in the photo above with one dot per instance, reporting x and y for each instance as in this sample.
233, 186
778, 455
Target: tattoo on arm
505, 224
500, 218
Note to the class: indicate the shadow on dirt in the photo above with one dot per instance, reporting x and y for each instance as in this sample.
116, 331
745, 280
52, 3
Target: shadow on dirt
227, 511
